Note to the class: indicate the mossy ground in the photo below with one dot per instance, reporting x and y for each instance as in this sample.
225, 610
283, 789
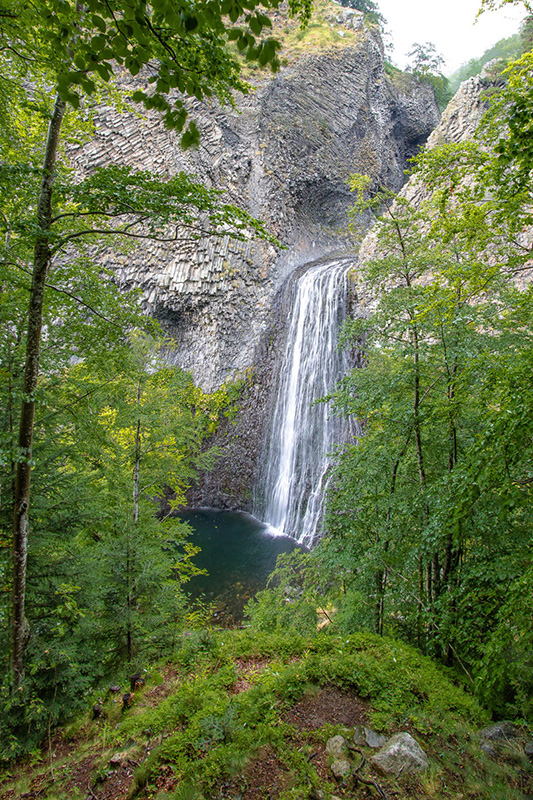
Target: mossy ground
237, 714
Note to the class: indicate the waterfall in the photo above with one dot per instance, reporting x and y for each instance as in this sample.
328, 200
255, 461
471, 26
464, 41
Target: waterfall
303, 433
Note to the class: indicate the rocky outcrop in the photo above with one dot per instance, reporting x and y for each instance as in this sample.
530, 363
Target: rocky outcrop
284, 152
401, 754
458, 123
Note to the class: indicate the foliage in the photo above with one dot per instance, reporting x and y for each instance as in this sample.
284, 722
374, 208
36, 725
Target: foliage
429, 515
53, 60
424, 59
504, 50
107, 562
285, 605
511, 110
426, 64
505, 681
208, 731
174, 46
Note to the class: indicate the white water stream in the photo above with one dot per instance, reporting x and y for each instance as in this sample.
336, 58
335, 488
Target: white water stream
303, 434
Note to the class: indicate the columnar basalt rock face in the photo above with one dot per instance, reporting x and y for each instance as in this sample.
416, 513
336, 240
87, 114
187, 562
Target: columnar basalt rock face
283, 153
458, 123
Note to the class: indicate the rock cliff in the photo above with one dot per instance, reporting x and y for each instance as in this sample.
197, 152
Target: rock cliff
458, 123
284, 153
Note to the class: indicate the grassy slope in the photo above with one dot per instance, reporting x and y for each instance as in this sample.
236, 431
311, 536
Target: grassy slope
240, 714
322, 33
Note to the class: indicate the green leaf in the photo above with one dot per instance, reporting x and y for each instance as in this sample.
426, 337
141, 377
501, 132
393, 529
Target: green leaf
99, 23
191, 23
255, 25
98, 42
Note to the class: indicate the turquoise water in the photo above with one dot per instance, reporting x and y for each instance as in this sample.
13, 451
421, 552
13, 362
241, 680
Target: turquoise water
239, 554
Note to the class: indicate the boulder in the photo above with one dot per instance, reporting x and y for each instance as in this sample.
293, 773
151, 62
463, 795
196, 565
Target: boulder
341, 768
528, 750
488, 748
499, 732
336, 747
374, 739
401, 754
366, 737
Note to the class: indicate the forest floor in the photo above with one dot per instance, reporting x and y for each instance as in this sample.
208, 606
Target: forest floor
242, 716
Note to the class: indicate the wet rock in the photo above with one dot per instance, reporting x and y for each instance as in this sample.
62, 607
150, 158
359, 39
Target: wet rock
117, 760
401, 754
341, 768
499, 732
366, 737
337, 747
489, 749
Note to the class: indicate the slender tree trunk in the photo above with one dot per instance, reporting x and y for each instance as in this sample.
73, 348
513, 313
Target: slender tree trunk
41, 263
421, 600
382, 575
432, 569
137, 464
452, 456
380, 601
416, 411
129, 565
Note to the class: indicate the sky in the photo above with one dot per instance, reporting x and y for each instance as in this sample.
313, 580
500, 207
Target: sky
450, 25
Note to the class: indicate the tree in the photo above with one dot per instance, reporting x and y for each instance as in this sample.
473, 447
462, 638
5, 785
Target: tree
136, 440
512, 110
424, 59
74, 46
108, 559
430, 510
426, 64
526, 34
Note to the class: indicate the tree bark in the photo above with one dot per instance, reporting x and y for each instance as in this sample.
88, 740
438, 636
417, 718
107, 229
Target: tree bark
41, 263
129, 559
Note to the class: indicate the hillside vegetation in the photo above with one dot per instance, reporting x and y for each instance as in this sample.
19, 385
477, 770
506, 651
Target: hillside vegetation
504, 51
244, 714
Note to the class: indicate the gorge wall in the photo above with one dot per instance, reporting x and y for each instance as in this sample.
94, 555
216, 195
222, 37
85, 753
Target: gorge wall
284, 153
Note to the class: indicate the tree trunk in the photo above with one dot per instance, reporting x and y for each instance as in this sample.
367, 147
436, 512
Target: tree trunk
129, 565
41, 263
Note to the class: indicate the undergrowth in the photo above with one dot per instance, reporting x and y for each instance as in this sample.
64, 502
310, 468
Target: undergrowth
206, 733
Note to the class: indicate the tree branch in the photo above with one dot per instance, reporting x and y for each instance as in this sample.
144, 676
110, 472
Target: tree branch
73, 296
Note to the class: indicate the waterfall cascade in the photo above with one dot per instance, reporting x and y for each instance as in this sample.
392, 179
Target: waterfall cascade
302, 432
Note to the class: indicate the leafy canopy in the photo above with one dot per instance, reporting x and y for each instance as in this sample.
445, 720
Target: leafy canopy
177, 48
